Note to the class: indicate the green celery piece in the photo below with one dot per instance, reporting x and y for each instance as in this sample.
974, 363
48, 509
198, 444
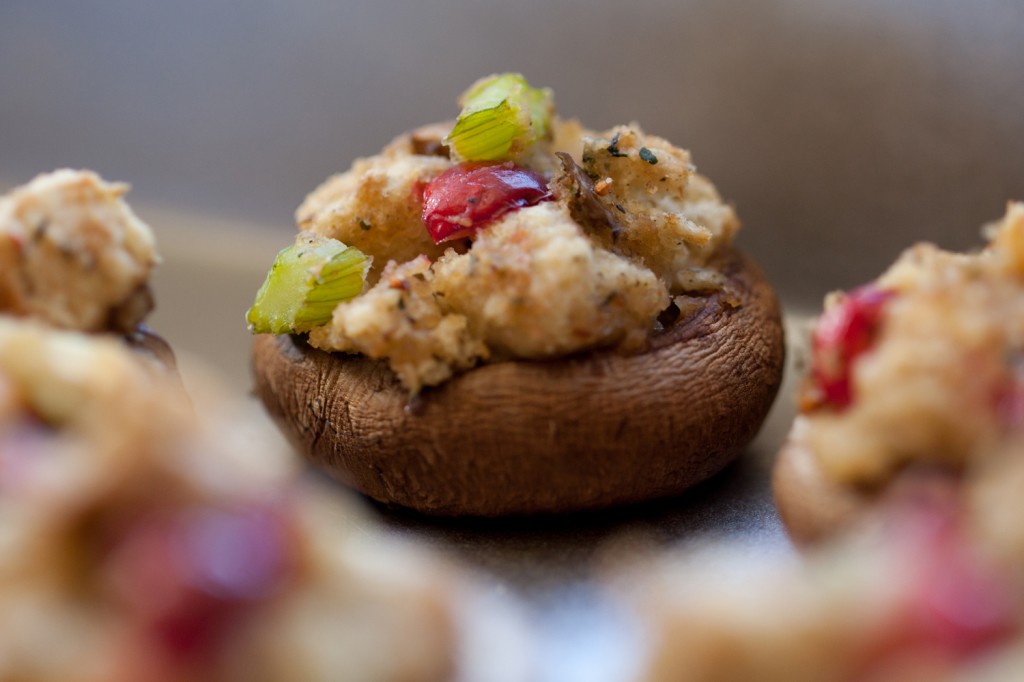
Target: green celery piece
306, 282
501, 117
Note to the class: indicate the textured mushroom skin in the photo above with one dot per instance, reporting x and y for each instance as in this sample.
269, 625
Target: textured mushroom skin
526, 437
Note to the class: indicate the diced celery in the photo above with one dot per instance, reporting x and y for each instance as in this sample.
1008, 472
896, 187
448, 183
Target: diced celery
501, 117
306, 282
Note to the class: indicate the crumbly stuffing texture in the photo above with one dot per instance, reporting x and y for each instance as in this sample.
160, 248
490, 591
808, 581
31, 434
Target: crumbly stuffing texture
944, 380
632, 226
141, 542
375, 207
535, 286
401, 319
73, 253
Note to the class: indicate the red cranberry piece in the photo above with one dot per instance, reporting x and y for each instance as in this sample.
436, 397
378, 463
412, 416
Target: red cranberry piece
843, 333
953, 605
957, 605
189, 575
961, 607
470, 195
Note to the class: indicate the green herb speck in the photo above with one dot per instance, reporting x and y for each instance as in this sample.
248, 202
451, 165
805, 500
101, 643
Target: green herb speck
648, 156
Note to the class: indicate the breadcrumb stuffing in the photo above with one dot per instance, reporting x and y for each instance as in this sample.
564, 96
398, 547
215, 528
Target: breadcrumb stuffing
73, 253
400, 319
534, 286
376, 205
115, 493
538, 282
673, 219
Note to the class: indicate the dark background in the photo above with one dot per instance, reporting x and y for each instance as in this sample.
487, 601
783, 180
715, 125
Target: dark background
841, 130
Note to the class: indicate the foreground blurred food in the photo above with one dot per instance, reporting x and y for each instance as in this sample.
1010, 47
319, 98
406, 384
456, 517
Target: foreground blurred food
141, 541
927, 592
141, 544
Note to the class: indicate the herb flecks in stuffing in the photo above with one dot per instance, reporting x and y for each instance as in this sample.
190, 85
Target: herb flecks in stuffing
648, 156
593, 268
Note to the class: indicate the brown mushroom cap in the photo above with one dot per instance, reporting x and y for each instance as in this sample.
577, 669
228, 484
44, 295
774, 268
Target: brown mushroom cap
812, 506
525, 437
